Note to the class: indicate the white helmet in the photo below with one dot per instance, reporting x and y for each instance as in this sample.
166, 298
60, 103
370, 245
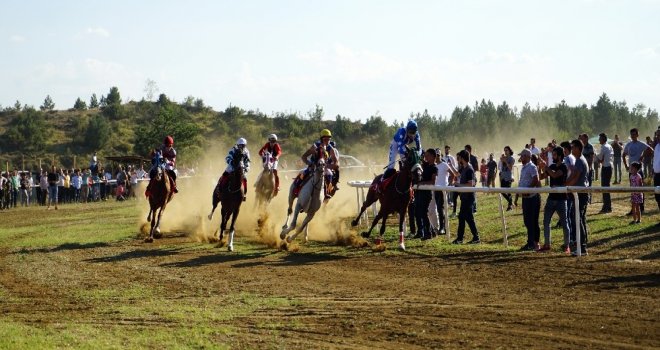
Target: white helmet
241, 141
272, 137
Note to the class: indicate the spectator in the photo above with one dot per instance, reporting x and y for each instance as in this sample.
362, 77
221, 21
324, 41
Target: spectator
4, 189
531, 203
60, 186
451, 196
483, 171
636, 198
446, 171
67, 186
656, 165
506, 173
103, 184
556, 202
648, 160
633, 152
76, 185
605, 158
53, 180
25, 190
15, 182
532, 147
474, 162
579, 177
43, 187
588, 153
108, 184
134, 183
492, 171
423, 197
466, 215
617, 147
85, 186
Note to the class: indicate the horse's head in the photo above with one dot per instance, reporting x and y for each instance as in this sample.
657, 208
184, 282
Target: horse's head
412, 164
267, 158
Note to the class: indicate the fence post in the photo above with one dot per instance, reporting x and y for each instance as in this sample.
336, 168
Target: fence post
357, 195
506, 240
446, 213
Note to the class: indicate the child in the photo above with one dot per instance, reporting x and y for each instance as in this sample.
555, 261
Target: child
636, 198
483, 169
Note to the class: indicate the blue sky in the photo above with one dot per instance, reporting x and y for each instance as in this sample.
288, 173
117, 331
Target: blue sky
354, 58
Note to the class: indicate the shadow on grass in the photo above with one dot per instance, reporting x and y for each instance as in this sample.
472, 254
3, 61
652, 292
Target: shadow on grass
632, 240
253, 259
64, 247
135, 254
651, 280
486, 257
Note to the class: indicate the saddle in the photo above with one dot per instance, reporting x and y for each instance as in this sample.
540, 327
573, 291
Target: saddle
382, 185
301, 183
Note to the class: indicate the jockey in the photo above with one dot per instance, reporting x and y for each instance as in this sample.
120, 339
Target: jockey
239, 148
402, 138
275, 151
327, 148
165, 158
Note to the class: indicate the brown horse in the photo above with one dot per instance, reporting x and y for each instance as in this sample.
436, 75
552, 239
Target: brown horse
395, 197
231, 198
160, 195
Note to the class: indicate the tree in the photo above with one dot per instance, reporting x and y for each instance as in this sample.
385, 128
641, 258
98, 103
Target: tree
28, 131
93, 102
98, 132
150, 89
174, 120
80, 105
18, 106
113, 108
113, 97
48, 104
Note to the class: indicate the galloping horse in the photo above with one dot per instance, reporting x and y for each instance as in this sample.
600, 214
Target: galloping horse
265, 184
231, 198
395, 197
160, 194
309, 201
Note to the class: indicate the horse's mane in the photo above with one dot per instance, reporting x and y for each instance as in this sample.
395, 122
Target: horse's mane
413, 156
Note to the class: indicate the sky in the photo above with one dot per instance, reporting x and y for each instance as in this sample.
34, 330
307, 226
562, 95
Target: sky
355, 58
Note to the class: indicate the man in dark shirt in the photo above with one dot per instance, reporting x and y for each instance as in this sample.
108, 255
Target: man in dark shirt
53, 179
423, 198
579, 177
492, 170
466, 215
557, 172
474, 162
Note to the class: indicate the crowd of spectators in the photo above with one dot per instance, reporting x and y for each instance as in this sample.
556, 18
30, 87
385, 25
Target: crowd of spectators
571, 163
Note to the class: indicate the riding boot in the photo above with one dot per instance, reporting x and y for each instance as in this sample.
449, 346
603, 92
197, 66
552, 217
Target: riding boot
174, 189
244, 189
147, 192
335, 180
277, 181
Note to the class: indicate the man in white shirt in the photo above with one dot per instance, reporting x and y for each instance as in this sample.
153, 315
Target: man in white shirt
604, 157
448, 158
445, 169
533, 148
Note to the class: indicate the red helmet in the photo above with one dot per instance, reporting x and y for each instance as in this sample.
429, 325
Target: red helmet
168, 141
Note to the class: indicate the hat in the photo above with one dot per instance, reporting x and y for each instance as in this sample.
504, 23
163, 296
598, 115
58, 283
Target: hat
525, 152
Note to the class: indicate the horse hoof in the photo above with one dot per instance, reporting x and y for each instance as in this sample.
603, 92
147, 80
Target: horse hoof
210, 216
284, 227
289, 240
365, 234
282, 235
148, 240
158, 235
402, 246
354, 223
230, 248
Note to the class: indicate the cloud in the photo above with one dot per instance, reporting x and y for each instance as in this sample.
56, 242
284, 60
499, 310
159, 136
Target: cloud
649, 52
98, 31
17, 38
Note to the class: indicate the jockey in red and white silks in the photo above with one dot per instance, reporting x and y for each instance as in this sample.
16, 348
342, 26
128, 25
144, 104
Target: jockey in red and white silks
275, 151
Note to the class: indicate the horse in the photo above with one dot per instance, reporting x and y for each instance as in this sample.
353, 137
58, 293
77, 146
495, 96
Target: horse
231, 198
160, 194
309, 201
265, 184
396, 197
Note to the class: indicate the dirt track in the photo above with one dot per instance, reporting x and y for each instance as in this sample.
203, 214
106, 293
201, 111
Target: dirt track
335, 299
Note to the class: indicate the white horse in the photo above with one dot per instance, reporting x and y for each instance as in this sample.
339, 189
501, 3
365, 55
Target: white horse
309, 201
265, 184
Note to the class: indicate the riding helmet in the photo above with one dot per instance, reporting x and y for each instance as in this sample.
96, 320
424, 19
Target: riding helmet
272, 137
169, 141
326, 133
241, 141
412, 126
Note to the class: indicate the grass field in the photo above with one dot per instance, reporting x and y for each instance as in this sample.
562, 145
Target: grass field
81, 277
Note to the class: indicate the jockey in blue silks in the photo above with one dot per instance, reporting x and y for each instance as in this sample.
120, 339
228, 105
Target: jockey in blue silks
402, 138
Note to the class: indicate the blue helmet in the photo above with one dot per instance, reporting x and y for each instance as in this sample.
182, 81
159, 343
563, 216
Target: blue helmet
412, 126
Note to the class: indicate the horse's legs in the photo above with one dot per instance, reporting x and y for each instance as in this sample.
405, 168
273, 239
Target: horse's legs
382, 225
402, 218
149, 215
287, 228
157, 233
380, 214
150, 238
303, 226
212, 210
230, 246
288, 210
371, 199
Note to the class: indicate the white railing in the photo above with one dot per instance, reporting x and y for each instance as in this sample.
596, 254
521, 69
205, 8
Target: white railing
572, 190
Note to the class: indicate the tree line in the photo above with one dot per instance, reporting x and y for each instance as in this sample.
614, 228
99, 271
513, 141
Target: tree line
111, 127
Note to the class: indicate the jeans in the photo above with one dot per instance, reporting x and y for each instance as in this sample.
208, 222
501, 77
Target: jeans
617, 169
656, 183
466, 215
555, 206
422, 200
507, 196
531, 208
605, 178
440, 206
582, 207
52, 193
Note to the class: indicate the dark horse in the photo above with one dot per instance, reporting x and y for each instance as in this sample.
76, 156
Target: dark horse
160, 194
396, 196
231, 198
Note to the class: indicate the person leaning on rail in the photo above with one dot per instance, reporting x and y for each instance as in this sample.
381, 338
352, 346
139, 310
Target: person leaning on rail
579, 177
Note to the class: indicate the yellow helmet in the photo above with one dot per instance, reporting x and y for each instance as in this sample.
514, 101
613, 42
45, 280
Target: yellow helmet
326, 133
